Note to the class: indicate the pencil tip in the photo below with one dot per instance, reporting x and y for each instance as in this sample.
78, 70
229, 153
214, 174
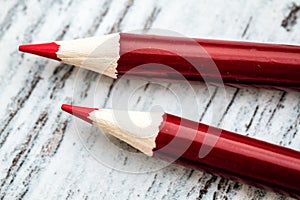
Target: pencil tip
80, 112
47, 50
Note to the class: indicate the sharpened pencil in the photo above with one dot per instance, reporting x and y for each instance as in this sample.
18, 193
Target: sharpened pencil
237, 64
170, 137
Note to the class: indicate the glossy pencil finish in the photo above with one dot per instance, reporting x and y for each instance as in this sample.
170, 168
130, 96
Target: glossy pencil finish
238, 63
233, 156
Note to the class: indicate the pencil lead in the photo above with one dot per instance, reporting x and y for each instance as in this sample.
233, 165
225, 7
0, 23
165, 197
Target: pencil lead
80, 112
47, 50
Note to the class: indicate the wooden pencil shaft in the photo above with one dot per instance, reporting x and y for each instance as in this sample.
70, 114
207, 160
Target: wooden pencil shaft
233, 155
238, 63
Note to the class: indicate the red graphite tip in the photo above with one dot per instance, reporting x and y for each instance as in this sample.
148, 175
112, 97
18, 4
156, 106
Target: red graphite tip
47, 50
80, 112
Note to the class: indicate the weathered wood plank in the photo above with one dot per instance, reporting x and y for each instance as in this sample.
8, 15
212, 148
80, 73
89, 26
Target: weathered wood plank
46, 154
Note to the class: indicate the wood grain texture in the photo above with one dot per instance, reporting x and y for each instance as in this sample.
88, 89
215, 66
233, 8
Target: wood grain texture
46, 154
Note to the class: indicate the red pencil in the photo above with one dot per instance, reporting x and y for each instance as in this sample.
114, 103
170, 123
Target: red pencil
229, 154
236, 63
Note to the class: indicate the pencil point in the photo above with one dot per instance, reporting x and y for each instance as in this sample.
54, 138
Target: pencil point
47, 50
80, 112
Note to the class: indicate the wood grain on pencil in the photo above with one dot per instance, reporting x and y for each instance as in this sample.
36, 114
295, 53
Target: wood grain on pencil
238, 63
173, 138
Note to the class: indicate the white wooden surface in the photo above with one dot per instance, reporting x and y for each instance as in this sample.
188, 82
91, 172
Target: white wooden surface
46, 154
